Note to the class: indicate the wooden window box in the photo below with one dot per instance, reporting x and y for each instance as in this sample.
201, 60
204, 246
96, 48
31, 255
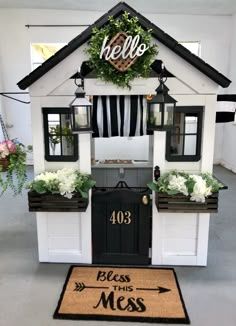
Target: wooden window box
181, 204
56, 203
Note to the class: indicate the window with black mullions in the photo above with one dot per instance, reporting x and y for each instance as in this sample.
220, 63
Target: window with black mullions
60, 143
183, 142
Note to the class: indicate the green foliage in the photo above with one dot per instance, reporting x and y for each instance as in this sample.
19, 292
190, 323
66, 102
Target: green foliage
84, 182
103, 68
212, 182
42, 187
51, 182
15, 177
163, 183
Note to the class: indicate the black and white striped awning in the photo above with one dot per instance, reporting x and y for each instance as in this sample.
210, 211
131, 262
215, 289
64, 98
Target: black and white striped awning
123, 116
226, 116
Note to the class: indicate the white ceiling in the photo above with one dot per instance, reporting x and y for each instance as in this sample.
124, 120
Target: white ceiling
196, 7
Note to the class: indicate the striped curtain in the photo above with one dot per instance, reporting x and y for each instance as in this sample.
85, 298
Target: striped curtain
123, 116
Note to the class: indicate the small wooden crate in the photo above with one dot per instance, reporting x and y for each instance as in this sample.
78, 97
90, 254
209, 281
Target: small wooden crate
56, 203
182, 204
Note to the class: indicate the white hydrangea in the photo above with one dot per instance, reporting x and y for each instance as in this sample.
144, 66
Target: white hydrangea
177, 183
200, 189
46, 177
67, 181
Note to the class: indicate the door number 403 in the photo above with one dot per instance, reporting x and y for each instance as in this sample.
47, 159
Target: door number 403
120, 217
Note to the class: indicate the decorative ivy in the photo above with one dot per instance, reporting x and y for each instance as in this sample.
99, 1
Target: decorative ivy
103, 68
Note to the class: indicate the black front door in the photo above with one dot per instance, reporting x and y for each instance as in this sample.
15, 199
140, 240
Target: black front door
121, 226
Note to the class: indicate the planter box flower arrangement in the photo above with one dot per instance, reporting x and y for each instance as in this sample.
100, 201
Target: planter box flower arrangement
183, 192
13, 166
64, 190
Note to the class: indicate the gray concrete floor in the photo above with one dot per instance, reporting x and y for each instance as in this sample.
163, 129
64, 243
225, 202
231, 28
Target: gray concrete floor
29, 291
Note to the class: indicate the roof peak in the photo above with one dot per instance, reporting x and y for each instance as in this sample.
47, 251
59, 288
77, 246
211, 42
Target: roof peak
157, 33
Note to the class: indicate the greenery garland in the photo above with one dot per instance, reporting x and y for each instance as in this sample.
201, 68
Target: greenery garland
103, 68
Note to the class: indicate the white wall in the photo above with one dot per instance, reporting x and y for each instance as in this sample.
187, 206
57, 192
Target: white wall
124, 148
15, 61
1, 109
225, 153
213, 32
228, 149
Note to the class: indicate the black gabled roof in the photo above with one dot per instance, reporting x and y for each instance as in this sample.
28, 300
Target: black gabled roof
157, 33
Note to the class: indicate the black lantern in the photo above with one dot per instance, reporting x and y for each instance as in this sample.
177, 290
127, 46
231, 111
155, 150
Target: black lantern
81, 112
161, 108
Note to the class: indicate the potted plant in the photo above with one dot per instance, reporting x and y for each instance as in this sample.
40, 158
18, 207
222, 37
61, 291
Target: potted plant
178, 191
13, 163
60, 191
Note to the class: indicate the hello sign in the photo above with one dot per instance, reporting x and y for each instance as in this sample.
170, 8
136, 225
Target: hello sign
123, 50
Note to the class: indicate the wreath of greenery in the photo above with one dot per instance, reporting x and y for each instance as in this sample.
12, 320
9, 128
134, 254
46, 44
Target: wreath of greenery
104, 70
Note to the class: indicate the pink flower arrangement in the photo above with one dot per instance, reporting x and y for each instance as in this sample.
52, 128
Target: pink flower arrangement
6, 148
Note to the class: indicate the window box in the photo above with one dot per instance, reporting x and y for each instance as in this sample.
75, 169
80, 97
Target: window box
56, 202
180, 203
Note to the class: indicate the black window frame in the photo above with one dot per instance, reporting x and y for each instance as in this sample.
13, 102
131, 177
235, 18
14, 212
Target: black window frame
198, 111
57, 158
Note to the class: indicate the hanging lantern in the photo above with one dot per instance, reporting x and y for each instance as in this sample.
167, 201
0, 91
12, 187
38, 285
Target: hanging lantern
81, 112
160, 109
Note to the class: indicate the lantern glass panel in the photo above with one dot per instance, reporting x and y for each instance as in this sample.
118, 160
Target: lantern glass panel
81, 117
155, 114
169, 114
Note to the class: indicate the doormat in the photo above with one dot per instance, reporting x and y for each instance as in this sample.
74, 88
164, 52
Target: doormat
122, 294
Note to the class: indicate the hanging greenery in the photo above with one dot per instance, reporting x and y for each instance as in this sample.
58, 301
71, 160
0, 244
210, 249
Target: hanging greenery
13, 166
104, 70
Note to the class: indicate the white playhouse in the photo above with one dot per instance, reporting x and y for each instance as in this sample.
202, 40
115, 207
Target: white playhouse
121, 152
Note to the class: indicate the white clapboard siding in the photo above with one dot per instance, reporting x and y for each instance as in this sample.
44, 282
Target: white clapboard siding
64, 244
179, 247
64, 237
56, 225
173, 231
180, 233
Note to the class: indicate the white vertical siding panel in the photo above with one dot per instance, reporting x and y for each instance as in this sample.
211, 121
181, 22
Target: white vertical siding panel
42, 233
159, 140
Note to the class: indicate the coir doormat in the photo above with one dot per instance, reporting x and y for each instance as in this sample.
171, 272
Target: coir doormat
122, 294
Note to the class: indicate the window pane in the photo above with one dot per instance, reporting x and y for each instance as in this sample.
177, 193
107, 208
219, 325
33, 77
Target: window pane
190, 145
40, 52
176, 146
54, 145
67, 145
191, 125
53, 121
179, 121
65, 123
54, 134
